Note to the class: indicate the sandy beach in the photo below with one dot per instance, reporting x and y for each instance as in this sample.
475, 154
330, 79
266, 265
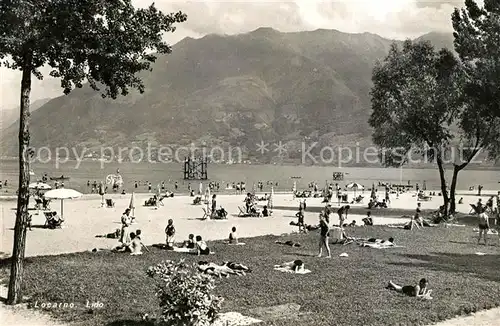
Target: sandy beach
85, 218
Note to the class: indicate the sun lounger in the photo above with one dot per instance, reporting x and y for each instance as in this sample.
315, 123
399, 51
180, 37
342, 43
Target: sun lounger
38, 204
243, 213
424, 198
206, 213
110, 203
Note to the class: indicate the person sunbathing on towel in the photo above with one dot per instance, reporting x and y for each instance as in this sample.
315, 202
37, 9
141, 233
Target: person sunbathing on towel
201, 246
296, 266
419, 291
288, 243
389, 242
114, 235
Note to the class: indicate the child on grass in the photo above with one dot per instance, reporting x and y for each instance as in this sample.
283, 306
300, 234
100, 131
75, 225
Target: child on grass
233, 239
170, 234
201, 246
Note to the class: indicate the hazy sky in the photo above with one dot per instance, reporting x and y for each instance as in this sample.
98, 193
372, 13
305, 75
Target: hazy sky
397, 19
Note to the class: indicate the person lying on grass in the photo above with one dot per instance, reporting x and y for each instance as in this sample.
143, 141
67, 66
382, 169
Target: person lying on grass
390, 241
201, 246
295, 266
418, 291
288, 243
114, 235
223, 270
233, 238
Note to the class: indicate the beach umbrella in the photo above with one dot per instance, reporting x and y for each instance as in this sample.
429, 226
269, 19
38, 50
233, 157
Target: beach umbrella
207, 195
62, 194
294, 188
131, 205
355, 186
39, 186
270, 199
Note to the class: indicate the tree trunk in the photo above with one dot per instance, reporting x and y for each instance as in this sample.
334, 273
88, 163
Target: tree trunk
442, 178
453, 203
16, 271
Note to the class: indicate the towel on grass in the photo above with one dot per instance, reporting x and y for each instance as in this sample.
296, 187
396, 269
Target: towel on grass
289, 270
187, 250
236, 244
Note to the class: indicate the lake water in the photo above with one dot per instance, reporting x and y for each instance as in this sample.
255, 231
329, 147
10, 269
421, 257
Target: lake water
171, 172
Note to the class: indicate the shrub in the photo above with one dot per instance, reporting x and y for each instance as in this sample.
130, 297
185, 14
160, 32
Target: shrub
186, 295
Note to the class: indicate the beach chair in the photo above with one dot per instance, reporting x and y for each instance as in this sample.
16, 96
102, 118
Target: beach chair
110, 203
51, 221
197, 201
207, 213
243, 213
422, 197
38, 204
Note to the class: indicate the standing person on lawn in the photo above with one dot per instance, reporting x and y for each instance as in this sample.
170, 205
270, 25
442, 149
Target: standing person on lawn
126, 222
324, 224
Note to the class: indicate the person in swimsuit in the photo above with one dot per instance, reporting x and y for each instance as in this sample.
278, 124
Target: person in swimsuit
324, 224
417, 219
189, 243
342, 211
170, 234
419, 291
368, 220
300, 223
233, 239
484, 227
201, 246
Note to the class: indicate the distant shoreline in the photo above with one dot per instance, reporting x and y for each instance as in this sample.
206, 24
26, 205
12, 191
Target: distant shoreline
471, 167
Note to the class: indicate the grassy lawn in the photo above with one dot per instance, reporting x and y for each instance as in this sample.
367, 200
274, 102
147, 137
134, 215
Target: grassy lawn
339, 291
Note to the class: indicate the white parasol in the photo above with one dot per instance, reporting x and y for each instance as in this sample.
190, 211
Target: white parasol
131, 205
62, 194
39, 186
355, 186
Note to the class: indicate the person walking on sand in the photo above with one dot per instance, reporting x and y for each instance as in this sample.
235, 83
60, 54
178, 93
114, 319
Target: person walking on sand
324, 224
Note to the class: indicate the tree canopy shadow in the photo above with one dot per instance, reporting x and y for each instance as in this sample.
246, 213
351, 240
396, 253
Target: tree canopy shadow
485, 267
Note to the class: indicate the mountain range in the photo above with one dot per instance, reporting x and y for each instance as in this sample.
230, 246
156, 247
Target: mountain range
233, 90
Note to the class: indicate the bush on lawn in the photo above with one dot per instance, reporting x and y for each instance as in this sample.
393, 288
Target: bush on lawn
186, 295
